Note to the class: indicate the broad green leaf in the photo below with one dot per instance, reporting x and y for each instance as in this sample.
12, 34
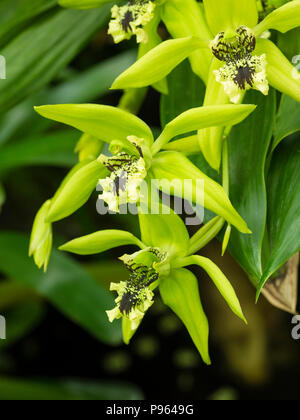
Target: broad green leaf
186, 91
198, 188
65, 390
15, 15
202, 117
283, 19
48, 149
283, 203
282, 75
100, 241
164, 231
288, 119
181, 293
66, 285
220, 281
158, 63
228, 15
35, 56
104, 122
248, 146
75, 190
83, 87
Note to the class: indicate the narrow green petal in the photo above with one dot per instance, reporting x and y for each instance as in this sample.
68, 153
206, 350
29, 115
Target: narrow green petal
186, 18
100, 241
173, 166
226, 239
198, 118
228, 15
158, 63
283, 19
221, 282
76, 190
181, 293
211, 138
282, 75
104, 122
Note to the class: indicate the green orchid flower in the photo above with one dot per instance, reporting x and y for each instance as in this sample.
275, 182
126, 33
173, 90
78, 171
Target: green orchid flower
241, 58
165, 249
136, 161
141, 18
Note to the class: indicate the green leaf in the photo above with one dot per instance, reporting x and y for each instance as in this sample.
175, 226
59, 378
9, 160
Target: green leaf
104, 122
288, 120
66, 285
186, 91
283, 202
15, 15
158, 63
181, 293
164, 231
248, 146
65, 390
84, 87
100, 241
47, 149
39, 53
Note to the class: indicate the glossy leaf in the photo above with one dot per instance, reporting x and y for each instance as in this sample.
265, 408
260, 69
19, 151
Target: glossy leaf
15, 15
185, 91
181, 293
66, 285
288, 120
35, 56
248, 146
283, 201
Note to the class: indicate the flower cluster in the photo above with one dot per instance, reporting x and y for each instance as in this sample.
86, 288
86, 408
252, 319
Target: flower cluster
123, 185
243, 70
135, 296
